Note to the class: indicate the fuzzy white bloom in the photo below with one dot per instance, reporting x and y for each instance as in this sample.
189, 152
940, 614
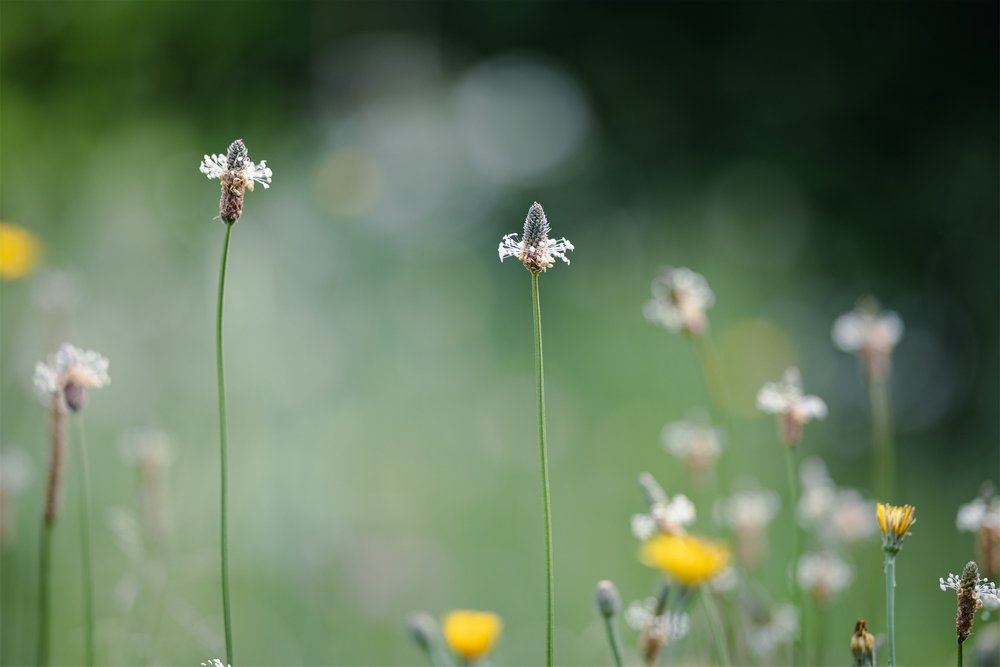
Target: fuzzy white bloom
669, 627
214, 662
979, 514
146, 447
726, 581
985, 590
870, 334
680, 299
671, 515
215, 166
835, 515
535, 249
781, 628
823, 575
793, 408
71, 371
15, 471
748, 510
695, 442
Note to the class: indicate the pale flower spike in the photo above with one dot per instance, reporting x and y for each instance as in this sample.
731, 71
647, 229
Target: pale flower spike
680, 299
237, 174
871, 334
71, 371
984, 589
794, 409
535, 249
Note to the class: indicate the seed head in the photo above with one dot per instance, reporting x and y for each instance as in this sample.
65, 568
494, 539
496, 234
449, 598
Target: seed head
863, 645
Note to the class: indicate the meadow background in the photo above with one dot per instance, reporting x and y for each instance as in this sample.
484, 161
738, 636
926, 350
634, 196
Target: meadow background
379, 360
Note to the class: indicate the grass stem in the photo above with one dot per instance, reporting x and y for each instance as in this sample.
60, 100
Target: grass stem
543, 452
793, 495
224, 550
882, 438
86, 565
615, 641
715, 624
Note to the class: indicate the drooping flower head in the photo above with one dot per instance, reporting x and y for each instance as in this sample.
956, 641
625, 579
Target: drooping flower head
870, 334
471, 634
70, 372
535, 249
686, 558
695, 442
786, 400
973, 592
823, 575
237, 174
895, 522
680, 299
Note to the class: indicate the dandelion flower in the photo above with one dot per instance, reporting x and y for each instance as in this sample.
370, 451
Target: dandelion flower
471, 634
695, 442
870, 334
680, 299
535, 249
19, 251
237, 174
823, 575
688, 559
71, 372
895, 522
794, 409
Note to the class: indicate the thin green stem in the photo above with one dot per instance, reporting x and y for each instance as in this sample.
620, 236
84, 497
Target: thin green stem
224, 550
44, 573
890, 606
615, 641
85, 554
718, 400
882, 438
959, 662
715, 624
543, 452
793, 494
820, 633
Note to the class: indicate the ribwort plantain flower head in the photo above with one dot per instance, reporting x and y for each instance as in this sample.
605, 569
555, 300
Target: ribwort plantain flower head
237, 174
748, 514
982, 516
895, 522
823, 575
666, 515
680, 299
214, 662
794, 409
871, 334
656, 630
69, 373
973, 592
695, 442
535, 249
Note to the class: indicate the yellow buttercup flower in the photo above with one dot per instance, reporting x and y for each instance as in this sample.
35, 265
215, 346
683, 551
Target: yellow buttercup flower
471, 634
688, 559
895, 522
19, 251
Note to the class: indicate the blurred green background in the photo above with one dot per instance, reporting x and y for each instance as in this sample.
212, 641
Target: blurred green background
379, 359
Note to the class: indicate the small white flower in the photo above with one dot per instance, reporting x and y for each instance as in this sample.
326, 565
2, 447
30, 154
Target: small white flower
985, 590
669, 627
780, 628
748, 510
823, 575
215, 166
835, 515
695, 442
535, 249
680, 299
214, 662
71, 371
786, 400
979, 514
870, 334
667, 516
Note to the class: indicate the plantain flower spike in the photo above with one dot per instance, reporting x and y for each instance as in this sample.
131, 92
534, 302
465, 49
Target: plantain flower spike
237, 174
535, 249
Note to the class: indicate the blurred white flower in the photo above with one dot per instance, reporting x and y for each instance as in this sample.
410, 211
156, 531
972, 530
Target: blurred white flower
695, 442
669, 515
15, 473
780, 628
870, 334
535, 249
748, 514
978, 514
835, 515
71, 371
214, 662
823, 575
794, 409
680, 299
671, 626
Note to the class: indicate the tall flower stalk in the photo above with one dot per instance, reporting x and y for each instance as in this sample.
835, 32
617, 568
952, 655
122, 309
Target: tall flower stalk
894, 522
794, 410
237, 174
538, 253
64, 380
609, 603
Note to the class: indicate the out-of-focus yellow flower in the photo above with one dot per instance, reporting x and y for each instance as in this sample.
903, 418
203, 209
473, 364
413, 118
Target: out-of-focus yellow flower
688, 559
471, 634
19, 251
895, 522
